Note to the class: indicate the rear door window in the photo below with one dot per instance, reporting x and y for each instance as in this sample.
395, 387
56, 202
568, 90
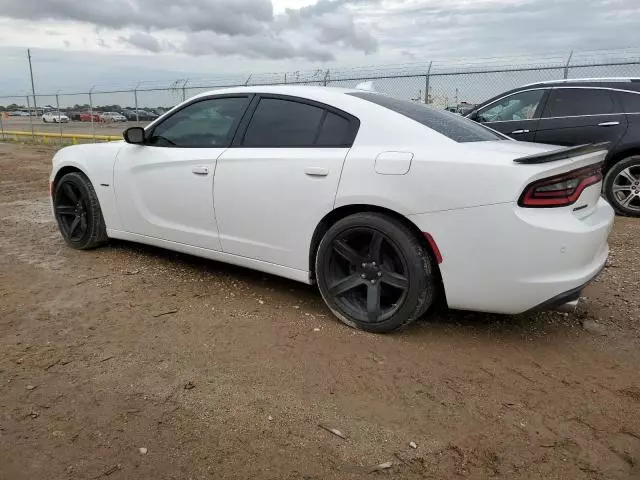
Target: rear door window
335, 131
572, 102
281, 123
630, 101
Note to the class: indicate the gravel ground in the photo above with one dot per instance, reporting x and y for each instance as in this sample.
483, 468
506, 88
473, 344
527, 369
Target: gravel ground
130, 362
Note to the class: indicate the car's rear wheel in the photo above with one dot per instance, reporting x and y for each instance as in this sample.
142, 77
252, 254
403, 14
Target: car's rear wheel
622, 186
373, 273
78, 213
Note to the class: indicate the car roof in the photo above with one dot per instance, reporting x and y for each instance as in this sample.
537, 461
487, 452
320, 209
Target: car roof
318, 93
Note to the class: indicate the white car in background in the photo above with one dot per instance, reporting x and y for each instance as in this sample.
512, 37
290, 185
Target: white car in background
113, 117
384, 203
55, 117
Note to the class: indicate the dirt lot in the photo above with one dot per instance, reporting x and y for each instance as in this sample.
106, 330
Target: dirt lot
220, 372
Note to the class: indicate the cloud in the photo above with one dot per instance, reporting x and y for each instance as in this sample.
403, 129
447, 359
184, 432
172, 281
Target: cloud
342, 30
264, 46
330, 23
490, 27
231, 17
142, 41
247, 28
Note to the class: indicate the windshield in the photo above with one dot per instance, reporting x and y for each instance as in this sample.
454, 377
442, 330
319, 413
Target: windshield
446, 123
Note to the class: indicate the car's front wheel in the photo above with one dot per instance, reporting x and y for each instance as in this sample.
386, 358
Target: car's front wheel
622, 186
374, 273
78, 213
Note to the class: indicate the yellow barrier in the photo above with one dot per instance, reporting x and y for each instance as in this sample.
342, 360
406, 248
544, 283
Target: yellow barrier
73, 136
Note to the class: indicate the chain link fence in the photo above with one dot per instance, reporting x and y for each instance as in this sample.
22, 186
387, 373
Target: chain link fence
102, 114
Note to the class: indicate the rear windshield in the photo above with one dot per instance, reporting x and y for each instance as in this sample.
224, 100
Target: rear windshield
448, 124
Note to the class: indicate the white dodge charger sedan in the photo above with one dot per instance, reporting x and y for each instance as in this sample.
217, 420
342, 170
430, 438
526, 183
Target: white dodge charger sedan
383, 203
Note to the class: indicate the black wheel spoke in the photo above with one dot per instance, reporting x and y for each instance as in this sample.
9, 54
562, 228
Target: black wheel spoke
83, 223
345, 285
65, 210
375, 247
373, 301
68, 190
74, 225
346, 252
395, 280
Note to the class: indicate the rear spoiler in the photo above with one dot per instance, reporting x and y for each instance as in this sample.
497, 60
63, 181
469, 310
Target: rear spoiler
563, 153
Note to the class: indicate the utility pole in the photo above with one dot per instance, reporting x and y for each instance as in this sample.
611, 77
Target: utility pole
33, 87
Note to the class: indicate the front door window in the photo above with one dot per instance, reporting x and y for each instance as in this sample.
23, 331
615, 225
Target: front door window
519, 106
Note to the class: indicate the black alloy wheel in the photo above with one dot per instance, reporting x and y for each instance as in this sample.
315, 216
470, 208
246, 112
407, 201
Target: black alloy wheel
77, 212
373, 273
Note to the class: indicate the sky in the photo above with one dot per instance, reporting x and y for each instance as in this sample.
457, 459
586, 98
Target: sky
76, 44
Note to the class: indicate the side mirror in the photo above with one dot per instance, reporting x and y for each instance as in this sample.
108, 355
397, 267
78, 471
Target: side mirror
134, 135
473, 115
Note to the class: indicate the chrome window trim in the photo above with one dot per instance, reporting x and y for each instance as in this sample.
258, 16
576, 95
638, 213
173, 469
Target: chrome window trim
613, 89
569, 116
578, 80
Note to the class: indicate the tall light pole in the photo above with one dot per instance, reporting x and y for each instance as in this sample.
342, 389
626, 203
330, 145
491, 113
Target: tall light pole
33, 87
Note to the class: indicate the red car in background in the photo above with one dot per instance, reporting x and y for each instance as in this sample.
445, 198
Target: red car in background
86, 117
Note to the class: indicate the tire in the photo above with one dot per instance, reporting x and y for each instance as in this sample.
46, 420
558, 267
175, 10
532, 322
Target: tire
44, 121
622, 186
369, 256
78, 213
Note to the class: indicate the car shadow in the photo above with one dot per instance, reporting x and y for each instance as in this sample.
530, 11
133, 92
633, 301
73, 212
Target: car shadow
438, 319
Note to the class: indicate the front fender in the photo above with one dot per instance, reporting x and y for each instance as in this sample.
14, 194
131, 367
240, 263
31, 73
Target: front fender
96, 162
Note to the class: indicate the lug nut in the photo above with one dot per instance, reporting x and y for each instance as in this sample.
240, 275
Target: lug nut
363, 276
373, 281
379, 274
364, 265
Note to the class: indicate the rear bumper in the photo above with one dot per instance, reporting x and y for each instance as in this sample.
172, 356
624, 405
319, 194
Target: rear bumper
505, 259
569, 297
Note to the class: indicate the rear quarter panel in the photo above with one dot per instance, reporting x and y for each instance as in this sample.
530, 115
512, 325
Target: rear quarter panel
443, 176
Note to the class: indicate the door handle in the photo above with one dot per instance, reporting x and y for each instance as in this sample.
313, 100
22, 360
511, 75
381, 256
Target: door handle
608, 124
316, 171
200, 170
519, 132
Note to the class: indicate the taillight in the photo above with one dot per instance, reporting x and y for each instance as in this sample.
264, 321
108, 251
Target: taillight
560, 190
